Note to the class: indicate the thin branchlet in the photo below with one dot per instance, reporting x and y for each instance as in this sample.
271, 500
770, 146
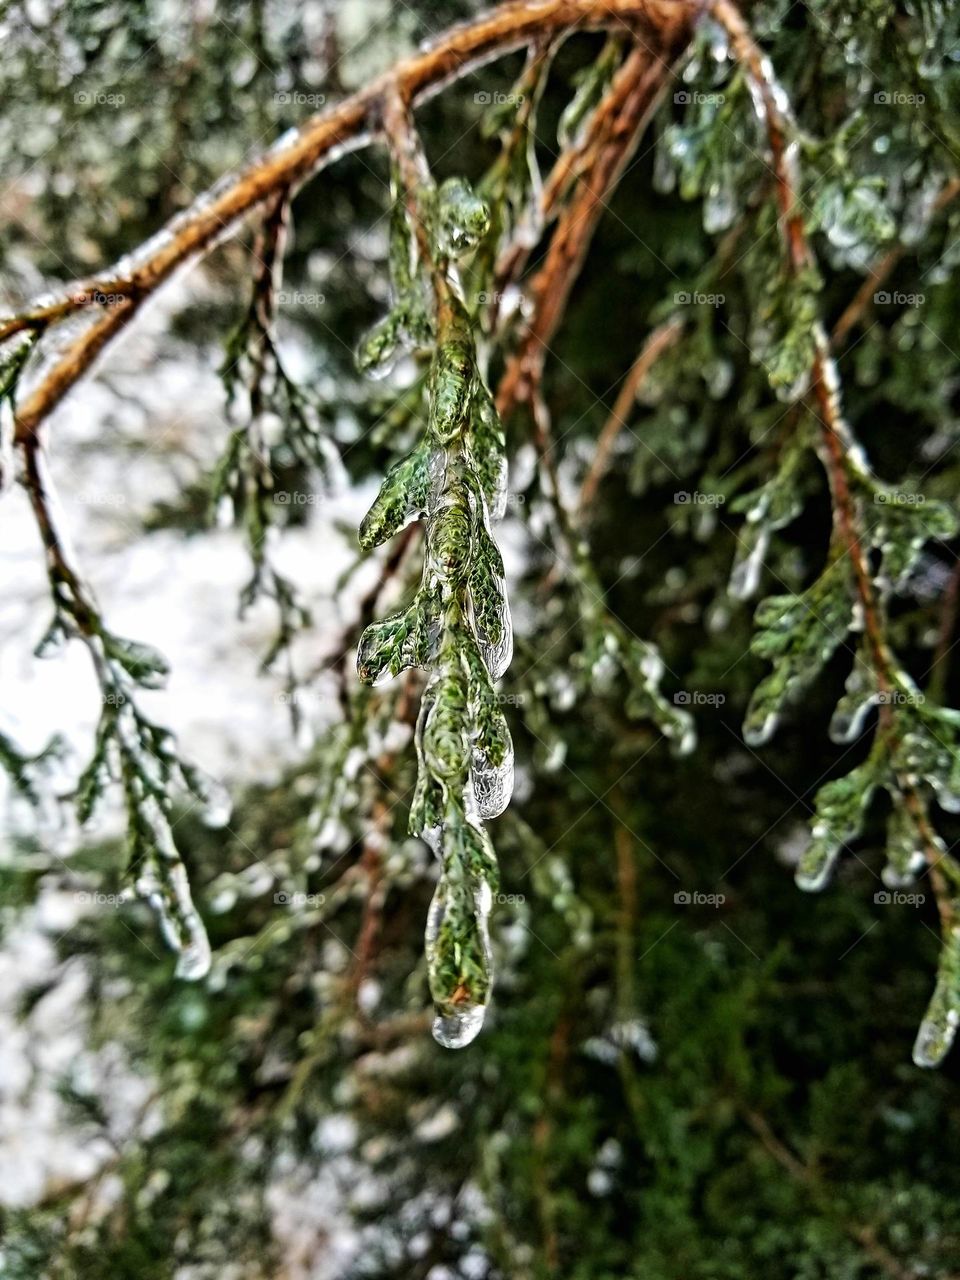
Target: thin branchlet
458, 625
129, 748
916, 750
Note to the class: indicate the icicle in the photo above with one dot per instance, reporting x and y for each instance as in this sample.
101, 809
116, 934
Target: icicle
497, 649
458, 626
816, 865
745, 574
939, 1025
840, 808
851, 711
905, 852
459, 958
462, 218
162, 882
664, 172
492, 784
217, 805
720, 208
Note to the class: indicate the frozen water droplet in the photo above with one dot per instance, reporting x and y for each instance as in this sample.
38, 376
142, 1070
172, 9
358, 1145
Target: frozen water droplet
193, 963
861, 694
664, 173
939, 1025
756, 734
719, 209
225, 513
934, 1039
457, 1029
492, 784
217, 806
947, 799
686, 742
497, 657
745, 575
895, 878
816, 865
169, 896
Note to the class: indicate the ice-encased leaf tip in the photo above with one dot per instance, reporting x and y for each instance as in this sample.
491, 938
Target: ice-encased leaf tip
939, 1026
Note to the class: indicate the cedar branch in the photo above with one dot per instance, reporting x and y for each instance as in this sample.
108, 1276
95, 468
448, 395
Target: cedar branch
662, 27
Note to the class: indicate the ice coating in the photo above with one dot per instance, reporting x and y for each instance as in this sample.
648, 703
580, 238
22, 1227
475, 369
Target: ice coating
459, 957
816, 865
861, 694
129, 749
169, 897
745, 575
905, 849
498, 654
939, 1026
458, 626
457, 1030
492, 784
217, 805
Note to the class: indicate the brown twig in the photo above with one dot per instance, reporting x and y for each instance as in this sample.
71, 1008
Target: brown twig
948, 625
623, 844
371, 859
622, 116
881, 271
824, 388
268, 255
825, 392
543, 1135
864, 1235
663, 25
658, 341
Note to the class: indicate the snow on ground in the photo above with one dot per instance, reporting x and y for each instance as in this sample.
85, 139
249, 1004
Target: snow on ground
111, 460
149, 422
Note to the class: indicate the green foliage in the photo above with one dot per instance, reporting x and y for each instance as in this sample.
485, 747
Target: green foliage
458, 625
714, 1086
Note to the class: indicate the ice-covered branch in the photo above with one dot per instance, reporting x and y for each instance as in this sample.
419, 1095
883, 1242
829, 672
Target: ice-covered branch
458, 625
614, 130
916, 750
129, 749
663, 25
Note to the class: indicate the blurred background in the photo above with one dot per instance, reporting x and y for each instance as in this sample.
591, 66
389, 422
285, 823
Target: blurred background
691, 1071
